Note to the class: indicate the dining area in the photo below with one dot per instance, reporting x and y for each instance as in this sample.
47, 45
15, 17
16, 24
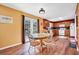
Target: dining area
45, 44
37, 35
52, 41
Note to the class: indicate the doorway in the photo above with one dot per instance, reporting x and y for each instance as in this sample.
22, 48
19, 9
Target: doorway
62, 30
29, 26
72, 29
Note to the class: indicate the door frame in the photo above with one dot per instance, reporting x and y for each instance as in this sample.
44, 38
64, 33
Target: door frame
23, 30
61, 30
23, 34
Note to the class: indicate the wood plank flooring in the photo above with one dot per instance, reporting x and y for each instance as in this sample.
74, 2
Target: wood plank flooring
57, 46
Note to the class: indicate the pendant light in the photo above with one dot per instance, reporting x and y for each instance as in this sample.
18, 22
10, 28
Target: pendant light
41, 11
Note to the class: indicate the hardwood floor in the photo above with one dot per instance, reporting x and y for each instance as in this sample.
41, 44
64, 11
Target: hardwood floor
56, 46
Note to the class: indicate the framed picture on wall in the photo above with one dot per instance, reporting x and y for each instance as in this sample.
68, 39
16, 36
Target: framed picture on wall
6, 19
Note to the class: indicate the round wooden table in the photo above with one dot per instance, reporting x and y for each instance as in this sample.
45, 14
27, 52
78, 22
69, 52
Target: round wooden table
40, 36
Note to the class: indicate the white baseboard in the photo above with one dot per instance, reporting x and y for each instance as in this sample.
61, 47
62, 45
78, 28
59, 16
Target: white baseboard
10, 46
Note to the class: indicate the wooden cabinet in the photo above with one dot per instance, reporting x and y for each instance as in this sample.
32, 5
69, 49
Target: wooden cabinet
45, 25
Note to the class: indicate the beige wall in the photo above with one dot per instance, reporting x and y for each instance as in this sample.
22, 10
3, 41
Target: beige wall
12, 33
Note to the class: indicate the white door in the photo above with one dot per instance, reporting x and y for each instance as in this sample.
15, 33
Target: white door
30, 27
61, 30
72, 29
34, 26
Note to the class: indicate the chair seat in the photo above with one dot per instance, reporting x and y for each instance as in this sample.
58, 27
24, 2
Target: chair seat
35, 42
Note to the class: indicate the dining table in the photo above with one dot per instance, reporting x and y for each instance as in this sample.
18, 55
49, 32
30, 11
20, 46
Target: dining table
40, 37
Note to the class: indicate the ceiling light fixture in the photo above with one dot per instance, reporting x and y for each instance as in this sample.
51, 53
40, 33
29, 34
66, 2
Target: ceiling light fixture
42, 11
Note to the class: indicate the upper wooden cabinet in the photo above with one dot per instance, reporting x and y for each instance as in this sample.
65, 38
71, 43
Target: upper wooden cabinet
45, 23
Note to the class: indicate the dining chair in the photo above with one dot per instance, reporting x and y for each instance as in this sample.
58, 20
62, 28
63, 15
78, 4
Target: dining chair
34, 44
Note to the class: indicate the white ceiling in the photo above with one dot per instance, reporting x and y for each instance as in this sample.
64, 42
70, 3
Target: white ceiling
54, 11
